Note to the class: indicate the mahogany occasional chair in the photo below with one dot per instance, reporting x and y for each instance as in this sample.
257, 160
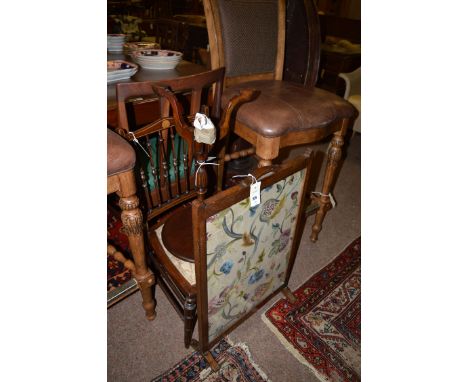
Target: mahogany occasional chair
165, 147
168, 167
240, 255
248, 38
120, 179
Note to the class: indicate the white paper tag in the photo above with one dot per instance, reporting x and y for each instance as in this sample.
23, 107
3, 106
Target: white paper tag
255, 194
205, 131
332, 200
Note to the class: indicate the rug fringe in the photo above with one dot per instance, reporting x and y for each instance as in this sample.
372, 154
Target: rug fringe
205, 373
292, 349
245, 348
228, 340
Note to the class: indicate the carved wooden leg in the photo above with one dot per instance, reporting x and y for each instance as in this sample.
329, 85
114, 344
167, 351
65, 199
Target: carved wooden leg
190, 309
132, 220
334, 157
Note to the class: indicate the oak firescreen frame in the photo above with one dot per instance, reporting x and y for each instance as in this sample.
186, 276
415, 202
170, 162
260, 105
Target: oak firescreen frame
207, 211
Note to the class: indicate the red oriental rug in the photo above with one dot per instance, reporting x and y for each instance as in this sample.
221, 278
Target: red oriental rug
323, 328
235, 364
117, 274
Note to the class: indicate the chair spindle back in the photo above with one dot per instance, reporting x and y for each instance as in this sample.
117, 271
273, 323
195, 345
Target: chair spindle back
166, 150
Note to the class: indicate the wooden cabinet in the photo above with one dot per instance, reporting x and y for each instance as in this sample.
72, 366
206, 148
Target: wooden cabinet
333, 63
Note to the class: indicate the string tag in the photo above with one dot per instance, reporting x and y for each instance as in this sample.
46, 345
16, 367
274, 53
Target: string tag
134, 139
332, 199
254, 190
204, 163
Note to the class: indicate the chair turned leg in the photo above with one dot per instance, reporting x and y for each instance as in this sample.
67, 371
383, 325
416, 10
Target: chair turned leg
264, 162
145, 284
334, 157
190, 308
132, 220
266, 150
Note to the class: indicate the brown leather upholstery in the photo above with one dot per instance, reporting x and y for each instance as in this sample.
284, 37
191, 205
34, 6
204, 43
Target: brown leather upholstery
284, 107
120, 155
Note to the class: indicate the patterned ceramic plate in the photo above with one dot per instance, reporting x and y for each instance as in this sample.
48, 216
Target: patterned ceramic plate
120, 70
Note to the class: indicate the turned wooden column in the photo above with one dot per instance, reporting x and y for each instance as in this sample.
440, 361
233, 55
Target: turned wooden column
266, 150
190, 314
201, 176
132, 220
334, 157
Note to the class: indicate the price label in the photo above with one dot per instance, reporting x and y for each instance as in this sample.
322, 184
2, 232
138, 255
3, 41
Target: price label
255, 194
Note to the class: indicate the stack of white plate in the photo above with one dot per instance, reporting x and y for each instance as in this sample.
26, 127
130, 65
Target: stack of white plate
115, 42
120, 70
130, 47
157, 59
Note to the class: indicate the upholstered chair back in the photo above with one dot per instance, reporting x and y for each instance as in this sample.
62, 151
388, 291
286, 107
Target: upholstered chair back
247, 37
250, 35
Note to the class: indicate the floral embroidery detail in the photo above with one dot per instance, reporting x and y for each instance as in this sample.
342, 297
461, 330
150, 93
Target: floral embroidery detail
275, 246
247, 239
284, 239
260, 291
253, 210
248, 251
218, 302
268, 209
220, 250
256, 276
226, 267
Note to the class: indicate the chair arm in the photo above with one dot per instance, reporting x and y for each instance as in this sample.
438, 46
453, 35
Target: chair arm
182, 128
246, 95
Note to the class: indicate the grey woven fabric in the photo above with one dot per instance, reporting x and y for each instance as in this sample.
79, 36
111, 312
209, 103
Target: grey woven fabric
250, 32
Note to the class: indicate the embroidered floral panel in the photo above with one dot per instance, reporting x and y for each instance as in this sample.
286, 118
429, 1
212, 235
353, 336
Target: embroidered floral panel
248, 251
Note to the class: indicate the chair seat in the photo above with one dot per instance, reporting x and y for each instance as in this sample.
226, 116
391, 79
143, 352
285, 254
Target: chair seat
178, 225
120, 154
283, 107
186, 269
